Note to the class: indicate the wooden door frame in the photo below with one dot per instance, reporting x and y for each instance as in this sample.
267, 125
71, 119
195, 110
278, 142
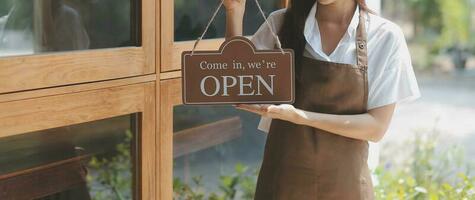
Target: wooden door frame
21, 73
170, 96
59, 110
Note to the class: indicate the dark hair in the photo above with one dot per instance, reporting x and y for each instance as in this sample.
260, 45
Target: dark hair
291, 33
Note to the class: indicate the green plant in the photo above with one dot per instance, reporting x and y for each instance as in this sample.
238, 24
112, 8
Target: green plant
449, 19
426, 14
240, 185
442, 27
455, 21
183, 191
112, 173
429, 173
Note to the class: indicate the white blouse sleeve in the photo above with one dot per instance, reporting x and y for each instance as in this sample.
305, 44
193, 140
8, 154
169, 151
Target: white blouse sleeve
397, 82
263, 39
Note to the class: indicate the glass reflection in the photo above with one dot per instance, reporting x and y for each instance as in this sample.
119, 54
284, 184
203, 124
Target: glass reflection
28, 27
95, 160
216, 150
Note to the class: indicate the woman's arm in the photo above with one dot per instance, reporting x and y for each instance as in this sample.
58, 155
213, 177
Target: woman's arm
369, 126
234, 16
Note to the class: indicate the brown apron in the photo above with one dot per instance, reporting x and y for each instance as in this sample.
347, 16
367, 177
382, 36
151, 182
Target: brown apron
306, 163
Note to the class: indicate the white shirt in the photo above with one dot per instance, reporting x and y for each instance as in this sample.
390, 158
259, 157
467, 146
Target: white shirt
391, 76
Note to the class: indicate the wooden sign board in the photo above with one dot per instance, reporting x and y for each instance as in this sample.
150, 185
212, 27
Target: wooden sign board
238, 74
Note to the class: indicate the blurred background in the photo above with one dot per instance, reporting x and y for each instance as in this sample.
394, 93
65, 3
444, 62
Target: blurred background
428, 152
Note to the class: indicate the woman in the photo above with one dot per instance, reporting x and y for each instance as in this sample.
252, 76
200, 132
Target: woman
352, 68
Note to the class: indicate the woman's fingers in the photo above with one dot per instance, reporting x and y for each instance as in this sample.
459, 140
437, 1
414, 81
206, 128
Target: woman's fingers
251, 106
234, 4
273, 109
280, 108
254, 108
284, 111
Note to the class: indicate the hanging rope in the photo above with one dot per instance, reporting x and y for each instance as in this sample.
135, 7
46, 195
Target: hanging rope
215, 13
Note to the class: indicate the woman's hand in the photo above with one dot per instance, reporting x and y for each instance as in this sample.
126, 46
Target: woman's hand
235, 5
284, 112
370, 126
234, 16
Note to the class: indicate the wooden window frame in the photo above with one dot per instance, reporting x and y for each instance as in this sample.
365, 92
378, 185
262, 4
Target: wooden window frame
68, 107
21, 73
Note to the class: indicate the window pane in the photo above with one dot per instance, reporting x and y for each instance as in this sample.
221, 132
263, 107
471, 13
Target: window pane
191, 18
95, 160
214, 143
29, 27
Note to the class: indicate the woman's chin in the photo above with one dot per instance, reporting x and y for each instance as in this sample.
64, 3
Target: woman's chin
326, 2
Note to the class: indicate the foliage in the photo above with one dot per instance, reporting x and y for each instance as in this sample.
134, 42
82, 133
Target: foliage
426, 12
239, 185
448, 20
428, 174
113, 173
455, 20
5, 6
424, 58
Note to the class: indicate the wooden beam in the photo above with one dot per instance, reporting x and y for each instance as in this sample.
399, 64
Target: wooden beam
170, 75
20, 117
44, 181
75, 88
206, 136
50, 70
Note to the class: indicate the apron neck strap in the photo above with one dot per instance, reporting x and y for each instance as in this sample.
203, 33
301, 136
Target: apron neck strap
361, 41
